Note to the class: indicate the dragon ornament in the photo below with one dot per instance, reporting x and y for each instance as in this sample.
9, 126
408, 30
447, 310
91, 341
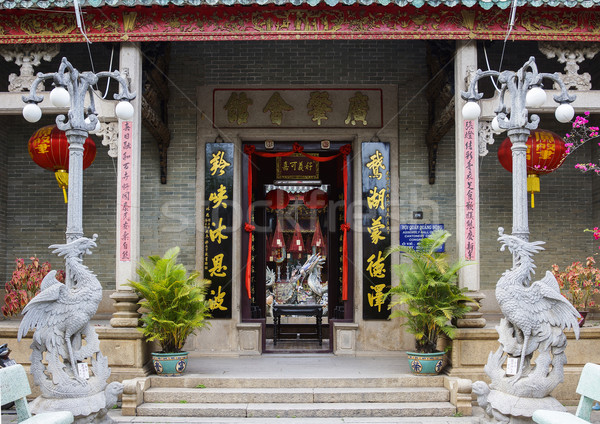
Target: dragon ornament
60, 316
535, 316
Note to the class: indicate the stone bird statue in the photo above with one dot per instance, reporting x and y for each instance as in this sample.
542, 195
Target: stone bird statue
60, 313
531, 308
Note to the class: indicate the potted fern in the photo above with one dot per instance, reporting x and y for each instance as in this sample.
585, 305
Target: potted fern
175, 306
429, 299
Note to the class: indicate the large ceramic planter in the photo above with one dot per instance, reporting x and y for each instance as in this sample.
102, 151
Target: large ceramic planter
169, 364
425, 363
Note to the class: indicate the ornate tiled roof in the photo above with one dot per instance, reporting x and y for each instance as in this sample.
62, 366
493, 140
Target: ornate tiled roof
486, 4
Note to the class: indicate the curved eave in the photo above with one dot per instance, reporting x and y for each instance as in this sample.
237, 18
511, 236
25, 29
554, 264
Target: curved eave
485, 4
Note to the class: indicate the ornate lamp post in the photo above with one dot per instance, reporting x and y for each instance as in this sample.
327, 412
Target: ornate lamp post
535, 313
71, 88
525, 89
60, 314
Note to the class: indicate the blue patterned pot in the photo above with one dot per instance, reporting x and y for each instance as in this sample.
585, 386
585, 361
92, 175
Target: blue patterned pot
169, 364
426, 363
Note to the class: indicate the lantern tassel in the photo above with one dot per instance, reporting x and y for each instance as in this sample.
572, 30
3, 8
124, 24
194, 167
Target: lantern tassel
533, 186
62, 177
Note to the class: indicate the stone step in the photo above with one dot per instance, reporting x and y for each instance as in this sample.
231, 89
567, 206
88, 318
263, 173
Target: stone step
297, 395
297, 410
194, 380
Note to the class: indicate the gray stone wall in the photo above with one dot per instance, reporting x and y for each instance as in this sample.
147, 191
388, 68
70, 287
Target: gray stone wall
287, 63
4, 142
34, 211
563, 208
35, 214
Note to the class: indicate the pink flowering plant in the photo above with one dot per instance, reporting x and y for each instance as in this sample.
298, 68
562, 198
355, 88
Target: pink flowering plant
25, 284
581, 134
579, 282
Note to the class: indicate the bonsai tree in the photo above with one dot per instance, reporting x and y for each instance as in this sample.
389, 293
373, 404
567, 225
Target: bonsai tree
175, 301
428, 291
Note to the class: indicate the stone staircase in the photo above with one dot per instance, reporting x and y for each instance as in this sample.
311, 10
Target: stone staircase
298, 397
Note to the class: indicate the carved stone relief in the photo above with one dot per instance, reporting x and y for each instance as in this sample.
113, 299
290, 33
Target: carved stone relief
26, 56
571, 54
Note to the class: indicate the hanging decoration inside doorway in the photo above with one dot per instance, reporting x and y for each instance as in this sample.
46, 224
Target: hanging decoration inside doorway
315, 199
218, 223
49, 149
318, 241
278, 245
345, 150
297, 244
546, 152
376, 220
277, 199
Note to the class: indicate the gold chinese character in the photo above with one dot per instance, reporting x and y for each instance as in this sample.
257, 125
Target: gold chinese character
218, 163
375, 230
217, 234
217, 301
43, 146
218, 269
376, 199
376, 299
358, 109
376, 165
376, 266
318, 105
237, 108
219, 197
276, 105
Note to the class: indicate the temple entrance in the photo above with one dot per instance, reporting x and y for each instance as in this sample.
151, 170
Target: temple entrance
298, 210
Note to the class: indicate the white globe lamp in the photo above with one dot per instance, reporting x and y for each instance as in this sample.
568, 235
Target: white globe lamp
535, 97
97, 128
564, 113
496, 126
32, 112
124, 110
471, 111
60, 97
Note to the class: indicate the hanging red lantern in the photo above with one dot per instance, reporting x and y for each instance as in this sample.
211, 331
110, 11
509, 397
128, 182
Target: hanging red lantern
546, 151
277, 199
49, 149
315, 199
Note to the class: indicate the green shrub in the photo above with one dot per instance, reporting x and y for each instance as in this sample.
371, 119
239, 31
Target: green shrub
428, 291
175, 301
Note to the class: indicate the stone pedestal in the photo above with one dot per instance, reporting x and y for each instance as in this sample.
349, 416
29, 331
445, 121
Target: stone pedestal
471, 347
250, 338
126, 306
474, 318
127, 352
344, 338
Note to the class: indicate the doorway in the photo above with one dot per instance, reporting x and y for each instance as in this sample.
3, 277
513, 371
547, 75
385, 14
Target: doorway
297, 207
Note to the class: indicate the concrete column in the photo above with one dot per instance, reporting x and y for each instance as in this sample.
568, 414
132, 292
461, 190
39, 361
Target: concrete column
465, 61
130, 60
518, 138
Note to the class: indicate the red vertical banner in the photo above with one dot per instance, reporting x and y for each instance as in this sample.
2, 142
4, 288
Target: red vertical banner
125, 185
471, 194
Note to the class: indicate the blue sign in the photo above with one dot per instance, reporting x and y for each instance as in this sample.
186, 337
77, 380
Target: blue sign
411, 234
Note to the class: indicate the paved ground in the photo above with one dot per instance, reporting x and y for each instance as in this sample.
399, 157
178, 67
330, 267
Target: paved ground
292, 366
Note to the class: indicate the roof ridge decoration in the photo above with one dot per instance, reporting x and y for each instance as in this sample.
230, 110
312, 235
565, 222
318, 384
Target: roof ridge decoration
375, 22
485, 4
